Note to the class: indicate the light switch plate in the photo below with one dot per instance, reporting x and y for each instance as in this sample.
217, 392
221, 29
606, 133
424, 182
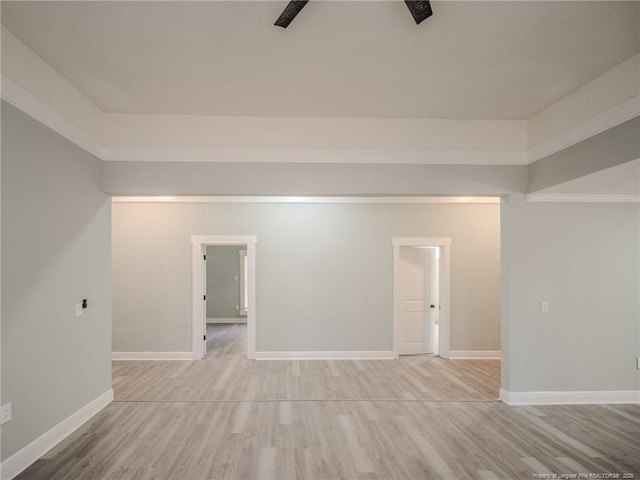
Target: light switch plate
78, 309
5, 413
544, 307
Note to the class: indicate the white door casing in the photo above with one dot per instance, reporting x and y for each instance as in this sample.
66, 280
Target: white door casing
434, 296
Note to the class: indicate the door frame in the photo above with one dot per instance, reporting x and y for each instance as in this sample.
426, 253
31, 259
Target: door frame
445, 288
199, 244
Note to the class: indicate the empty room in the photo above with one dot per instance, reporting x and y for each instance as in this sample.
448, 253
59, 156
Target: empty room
320, 240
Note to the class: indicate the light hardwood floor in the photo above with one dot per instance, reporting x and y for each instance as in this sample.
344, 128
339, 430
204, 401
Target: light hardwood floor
226, 375
415, 418
225, 339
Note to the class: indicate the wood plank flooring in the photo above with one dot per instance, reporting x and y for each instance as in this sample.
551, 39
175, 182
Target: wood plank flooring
417, 418
226, 339
225, 374
345, 439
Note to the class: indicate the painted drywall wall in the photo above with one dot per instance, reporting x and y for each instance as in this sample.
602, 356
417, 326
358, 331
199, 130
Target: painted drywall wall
223, 281
612, 147
205, 178
583, 259
202, 131
55, 252
324, 272
306, 139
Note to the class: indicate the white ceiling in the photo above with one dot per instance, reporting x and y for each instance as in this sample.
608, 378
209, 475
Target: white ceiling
479, 59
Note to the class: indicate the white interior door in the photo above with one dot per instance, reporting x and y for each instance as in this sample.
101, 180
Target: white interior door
417, 324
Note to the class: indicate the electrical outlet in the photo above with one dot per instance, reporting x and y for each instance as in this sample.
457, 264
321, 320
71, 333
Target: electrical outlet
5, 413
78, 309
544, 307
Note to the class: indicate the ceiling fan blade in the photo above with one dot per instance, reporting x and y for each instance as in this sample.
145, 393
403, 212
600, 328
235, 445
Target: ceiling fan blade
420, 10
290, 12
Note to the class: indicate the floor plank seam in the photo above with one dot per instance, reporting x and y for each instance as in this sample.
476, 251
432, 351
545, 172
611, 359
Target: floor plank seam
403, 400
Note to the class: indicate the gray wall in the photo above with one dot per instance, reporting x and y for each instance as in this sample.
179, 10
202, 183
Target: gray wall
583, 259
612, 147
55, 252
223, 281
324, 272
212, 178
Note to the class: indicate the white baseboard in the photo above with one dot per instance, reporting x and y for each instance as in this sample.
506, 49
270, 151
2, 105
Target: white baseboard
475, 354
227, 320
569, 398
21, 460
152, 355
355, 355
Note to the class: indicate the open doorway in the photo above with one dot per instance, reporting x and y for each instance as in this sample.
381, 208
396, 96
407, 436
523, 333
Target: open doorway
226, 300
421, 296
240, 315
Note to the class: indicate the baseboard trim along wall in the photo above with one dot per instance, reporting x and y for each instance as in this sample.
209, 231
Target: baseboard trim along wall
355, 355
151, 355
227, 320
570, 398
475, 354
22, 459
